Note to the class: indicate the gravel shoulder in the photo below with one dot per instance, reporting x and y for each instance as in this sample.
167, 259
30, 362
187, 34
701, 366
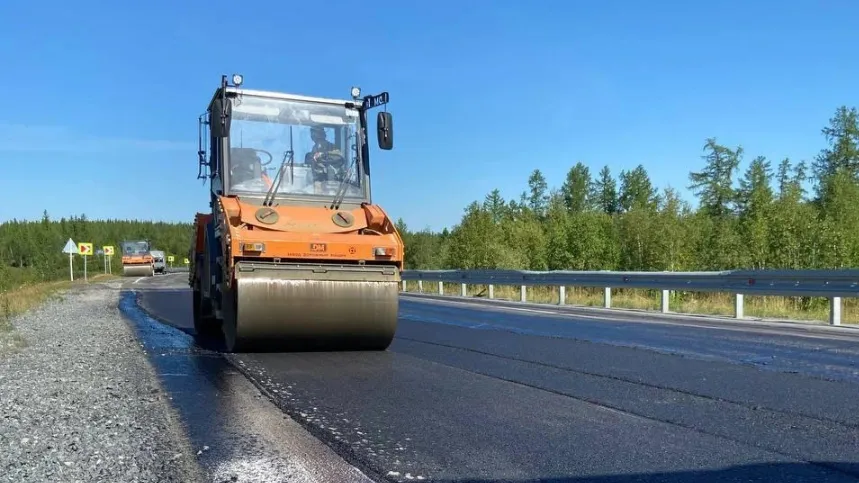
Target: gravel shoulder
80, 402
10, 340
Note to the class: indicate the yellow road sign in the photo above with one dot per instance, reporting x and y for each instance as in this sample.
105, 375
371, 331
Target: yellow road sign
187, 261
170, 258
85, 249
108, 250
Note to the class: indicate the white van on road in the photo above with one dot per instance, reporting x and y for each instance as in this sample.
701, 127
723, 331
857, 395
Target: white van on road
160, 261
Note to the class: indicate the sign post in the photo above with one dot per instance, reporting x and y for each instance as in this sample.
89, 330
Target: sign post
71, 249
170, 259
85, 249
108, 253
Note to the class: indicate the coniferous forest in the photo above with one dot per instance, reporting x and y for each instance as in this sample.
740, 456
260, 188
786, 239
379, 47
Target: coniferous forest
749, 212
775, 213
31, 251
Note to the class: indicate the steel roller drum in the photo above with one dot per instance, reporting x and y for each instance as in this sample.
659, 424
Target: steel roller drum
300, 307
136, 270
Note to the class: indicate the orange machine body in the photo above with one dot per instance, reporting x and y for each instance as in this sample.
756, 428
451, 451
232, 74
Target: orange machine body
303, 234
286, 268
137, 259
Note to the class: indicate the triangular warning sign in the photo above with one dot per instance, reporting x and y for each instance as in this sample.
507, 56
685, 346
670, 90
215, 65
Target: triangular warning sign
71, 247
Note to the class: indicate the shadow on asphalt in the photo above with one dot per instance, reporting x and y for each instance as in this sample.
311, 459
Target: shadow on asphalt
766, 472
172, 307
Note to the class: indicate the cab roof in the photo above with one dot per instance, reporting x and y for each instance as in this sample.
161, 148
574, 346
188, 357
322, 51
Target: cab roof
235, 91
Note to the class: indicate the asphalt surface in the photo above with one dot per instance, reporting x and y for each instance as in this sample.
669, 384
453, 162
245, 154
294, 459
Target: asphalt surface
239, 435
474, 392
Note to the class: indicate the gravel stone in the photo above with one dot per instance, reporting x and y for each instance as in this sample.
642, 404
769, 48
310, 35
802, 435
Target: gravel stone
81, 403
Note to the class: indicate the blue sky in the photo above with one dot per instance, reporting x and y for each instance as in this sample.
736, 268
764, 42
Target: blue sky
101, 101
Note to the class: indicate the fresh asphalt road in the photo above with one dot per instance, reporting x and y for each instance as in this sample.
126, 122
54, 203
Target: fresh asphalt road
472, 392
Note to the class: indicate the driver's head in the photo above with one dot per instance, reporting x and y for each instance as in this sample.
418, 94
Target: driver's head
243, 163
317, 134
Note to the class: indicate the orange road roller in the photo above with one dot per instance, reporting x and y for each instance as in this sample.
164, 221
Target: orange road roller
137, 261
294, 254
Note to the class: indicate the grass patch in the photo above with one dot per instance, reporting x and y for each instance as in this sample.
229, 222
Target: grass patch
16, 301
699, 303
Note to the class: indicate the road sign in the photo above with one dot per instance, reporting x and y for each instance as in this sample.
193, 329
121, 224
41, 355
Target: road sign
187, 261
70, 248
85, 249
107, 250
170, 258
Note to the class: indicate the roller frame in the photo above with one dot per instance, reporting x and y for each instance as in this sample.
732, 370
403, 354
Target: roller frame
345, 300
241, 313
297, 307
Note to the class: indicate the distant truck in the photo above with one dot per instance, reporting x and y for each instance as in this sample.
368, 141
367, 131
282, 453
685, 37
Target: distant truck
159, 261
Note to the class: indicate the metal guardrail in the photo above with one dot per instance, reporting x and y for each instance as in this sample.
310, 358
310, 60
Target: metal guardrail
831, 284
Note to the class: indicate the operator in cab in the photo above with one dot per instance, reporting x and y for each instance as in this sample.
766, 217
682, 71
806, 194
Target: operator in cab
321, 145
244, 166
324, 158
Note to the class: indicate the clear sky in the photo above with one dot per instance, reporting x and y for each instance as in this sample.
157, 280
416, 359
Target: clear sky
101, 100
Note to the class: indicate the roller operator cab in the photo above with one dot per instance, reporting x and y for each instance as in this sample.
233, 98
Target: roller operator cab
294, 255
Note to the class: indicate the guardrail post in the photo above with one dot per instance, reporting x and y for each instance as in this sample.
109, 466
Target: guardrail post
835, 311
738, 306
830, 284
